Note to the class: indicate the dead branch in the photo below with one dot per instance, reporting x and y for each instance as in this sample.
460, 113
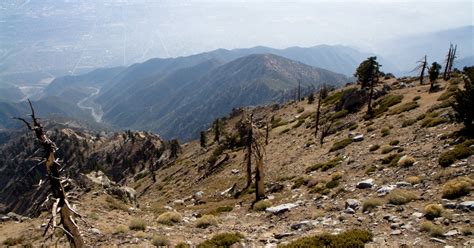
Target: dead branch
61, 204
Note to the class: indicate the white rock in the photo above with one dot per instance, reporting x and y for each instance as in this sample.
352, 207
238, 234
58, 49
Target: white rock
366, 184
281, 208
358, 138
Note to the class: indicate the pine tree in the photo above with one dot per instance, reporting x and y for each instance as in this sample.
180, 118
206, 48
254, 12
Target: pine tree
203, 139
464, 100
433, 74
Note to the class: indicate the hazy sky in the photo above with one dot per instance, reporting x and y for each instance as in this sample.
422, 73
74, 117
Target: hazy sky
194, 26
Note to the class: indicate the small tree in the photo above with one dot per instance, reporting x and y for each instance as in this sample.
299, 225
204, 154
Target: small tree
368, 73
175, 148
203, 139
310, 98
464, 100
433, 74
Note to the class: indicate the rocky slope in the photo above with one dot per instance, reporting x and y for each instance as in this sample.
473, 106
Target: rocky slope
376, 174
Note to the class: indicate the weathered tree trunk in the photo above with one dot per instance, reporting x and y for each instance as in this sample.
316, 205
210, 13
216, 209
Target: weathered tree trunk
318, 114
249, 153
423, 67
259, 182
371, 95
448, 61
267, 131
299, 91
325, 131
451, 60
61, 205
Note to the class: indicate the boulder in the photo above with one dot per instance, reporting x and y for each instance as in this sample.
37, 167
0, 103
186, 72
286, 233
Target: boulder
358, 138
385, 189
366, 184
467, 205
281, 208
304, 225
124, 193
353, 203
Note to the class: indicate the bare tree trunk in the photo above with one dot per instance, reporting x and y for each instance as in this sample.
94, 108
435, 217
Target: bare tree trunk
451, 60
371, 94
61, 204
422, 71
260, 185
448, 58
266, 133
249, 153
325, 131
299, 91
318, 114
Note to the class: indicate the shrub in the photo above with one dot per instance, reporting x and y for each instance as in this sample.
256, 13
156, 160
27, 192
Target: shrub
221, 209
450, 91
299, 110
400, 197
457, 187
441, 105
374, 147
13, 241
459, 152
169, 218
404, 108
298, 124
115, 204
432, 122
339, 114
409, 122
159, 240
137, 224
354, 238
433, 211
340, 144
391, 159
416, 98
286, 130
386, 149
332, 184
370, 204
276, 122
206, 221
120, 229
406, 161
320, 188
215, 154
462, 105
182, 245
386, 102
325, 166
413, 180
221, 240
370, 129
298, 182
431, 229
394, 142
262, 205
353, 127
385, 132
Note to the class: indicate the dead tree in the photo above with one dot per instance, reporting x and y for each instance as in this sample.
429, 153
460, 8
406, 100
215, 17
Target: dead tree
267, 131
217, 131
374, 81
255, 149
299, 91
451, 60
422, 67
318, 112
448, 62
61, 205
325, 130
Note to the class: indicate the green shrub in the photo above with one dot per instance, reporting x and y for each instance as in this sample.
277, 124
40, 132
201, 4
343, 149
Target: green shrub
339, 114
370, 129
115, 204
159, 240
298, 124
433, 211
320, 188
298, 182
137, 224
262, 205
416, 98
120, 229
278, 122
299, 110
432, 229
374, 147
169, 218
385, 132
370, 204
457, 187
340, 144
286, 130
450, 91
441, 105
460, 151
332, 184
391, 159
221, 209
404, 108
394, 142
206, 221
325, 166
400, 197
215, 154
432, 122
223, 240
386, 102
354, 238
413, 180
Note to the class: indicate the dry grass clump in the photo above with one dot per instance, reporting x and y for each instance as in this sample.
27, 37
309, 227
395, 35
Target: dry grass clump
351, 238
325, 166
413, 180
385, 132
460, 151
182, 245
394, 142
221, 240
370, 204
406, 161
169, 218
374, 147
120, 229
13, 241
432, 229
340, 144
400, 197
386, 149
457, 187
262, 205
403, 108
206, 221
160, 240
137, 224
433, 211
